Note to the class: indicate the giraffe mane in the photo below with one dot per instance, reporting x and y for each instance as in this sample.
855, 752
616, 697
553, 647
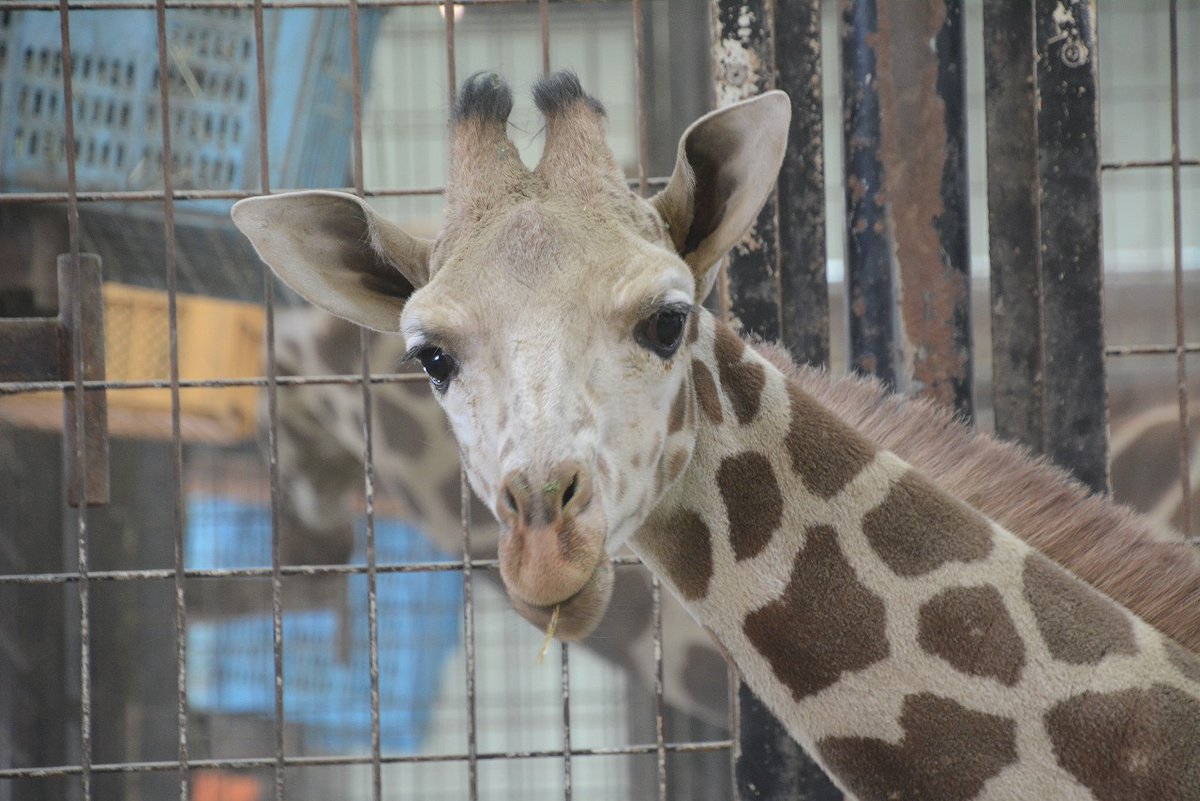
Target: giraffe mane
1110, 546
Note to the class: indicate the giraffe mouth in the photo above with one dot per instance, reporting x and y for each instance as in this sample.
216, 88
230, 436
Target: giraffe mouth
578, 614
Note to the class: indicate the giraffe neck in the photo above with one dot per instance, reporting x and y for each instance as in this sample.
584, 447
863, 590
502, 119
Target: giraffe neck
915, 648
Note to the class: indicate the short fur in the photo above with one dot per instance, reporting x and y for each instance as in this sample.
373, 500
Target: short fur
1107, 545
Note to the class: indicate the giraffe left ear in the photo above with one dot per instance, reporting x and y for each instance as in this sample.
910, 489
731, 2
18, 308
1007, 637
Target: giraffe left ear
725, 169
337, 253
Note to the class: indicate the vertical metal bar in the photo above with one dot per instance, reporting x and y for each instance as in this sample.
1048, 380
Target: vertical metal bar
469, 639
1014, 223
566, 724
801, 189
81, 290
660, 742
768, 763
544, 20
181, 712
1076, 399
639, 55
908, 261
451, 74
639, 49
264, 178
1044, 217
364, 344
465, 507
1185, 466
743, 54
869, 290
85, 643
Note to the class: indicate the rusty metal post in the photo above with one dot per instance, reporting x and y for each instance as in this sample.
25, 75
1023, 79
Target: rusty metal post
743, 64
801, 192
1044, 219
774, 286
84, 284
907, 254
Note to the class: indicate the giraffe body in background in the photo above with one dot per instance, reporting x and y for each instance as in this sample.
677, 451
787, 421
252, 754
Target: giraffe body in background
903, 634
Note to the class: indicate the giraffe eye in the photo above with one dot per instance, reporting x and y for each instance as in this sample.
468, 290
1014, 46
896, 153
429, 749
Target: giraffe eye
662, 331
438, 365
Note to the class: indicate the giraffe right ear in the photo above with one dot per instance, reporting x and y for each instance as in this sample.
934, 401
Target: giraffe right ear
725, 169
337, 253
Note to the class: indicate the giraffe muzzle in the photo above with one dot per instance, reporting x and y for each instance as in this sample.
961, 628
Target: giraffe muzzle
552, 533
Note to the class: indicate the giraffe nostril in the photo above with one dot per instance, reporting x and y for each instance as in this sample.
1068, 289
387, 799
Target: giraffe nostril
510, 500
570, 493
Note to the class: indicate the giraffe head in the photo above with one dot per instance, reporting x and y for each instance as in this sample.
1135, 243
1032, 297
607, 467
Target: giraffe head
552, 315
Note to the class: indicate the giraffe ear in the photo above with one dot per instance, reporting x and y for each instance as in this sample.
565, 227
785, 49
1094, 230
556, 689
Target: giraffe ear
725, 169
336, 252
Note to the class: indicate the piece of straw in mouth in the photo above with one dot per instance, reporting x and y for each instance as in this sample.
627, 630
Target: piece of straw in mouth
550, 630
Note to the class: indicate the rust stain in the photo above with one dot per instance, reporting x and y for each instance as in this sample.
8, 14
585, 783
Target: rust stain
914, 152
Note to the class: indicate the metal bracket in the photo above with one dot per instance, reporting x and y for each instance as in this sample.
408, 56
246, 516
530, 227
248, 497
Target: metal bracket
36, 349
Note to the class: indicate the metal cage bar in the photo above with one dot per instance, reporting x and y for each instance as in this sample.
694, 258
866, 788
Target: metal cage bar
778, 291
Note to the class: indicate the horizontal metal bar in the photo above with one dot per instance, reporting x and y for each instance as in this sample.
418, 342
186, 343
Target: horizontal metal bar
387, 759
116, 5
1137, 164
21, 387
147, 195
152, 574
151, 195
1149, 350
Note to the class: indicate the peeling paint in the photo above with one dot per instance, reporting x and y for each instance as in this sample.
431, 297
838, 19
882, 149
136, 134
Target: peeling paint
738, 71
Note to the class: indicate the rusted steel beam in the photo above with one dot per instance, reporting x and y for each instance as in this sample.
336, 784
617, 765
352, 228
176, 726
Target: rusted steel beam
1013, 221
1044, 219
907, 255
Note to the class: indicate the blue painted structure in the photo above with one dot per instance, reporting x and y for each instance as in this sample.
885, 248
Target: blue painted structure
213, 104
231, 668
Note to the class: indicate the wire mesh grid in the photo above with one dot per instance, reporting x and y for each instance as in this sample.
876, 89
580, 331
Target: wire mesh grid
1174, 163
468, 762
199, 769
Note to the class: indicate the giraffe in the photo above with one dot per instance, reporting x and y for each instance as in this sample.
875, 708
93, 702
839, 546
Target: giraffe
911, 642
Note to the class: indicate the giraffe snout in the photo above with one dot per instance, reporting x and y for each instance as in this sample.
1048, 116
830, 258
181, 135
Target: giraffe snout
550, 546
564, 491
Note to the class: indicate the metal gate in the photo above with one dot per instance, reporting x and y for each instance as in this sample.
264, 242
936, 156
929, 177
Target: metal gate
147, 652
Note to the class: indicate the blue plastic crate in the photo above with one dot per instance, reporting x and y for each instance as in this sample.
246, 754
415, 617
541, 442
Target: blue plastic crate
231, 665
213, 93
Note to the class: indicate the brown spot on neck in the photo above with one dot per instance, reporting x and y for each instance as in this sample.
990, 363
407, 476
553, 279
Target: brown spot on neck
825, 624
1130, 744
706, 392
917, 528
971, 629
742, 381
753, 502
947, 754
678, 406
1077, 623
682, 544
825, 452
